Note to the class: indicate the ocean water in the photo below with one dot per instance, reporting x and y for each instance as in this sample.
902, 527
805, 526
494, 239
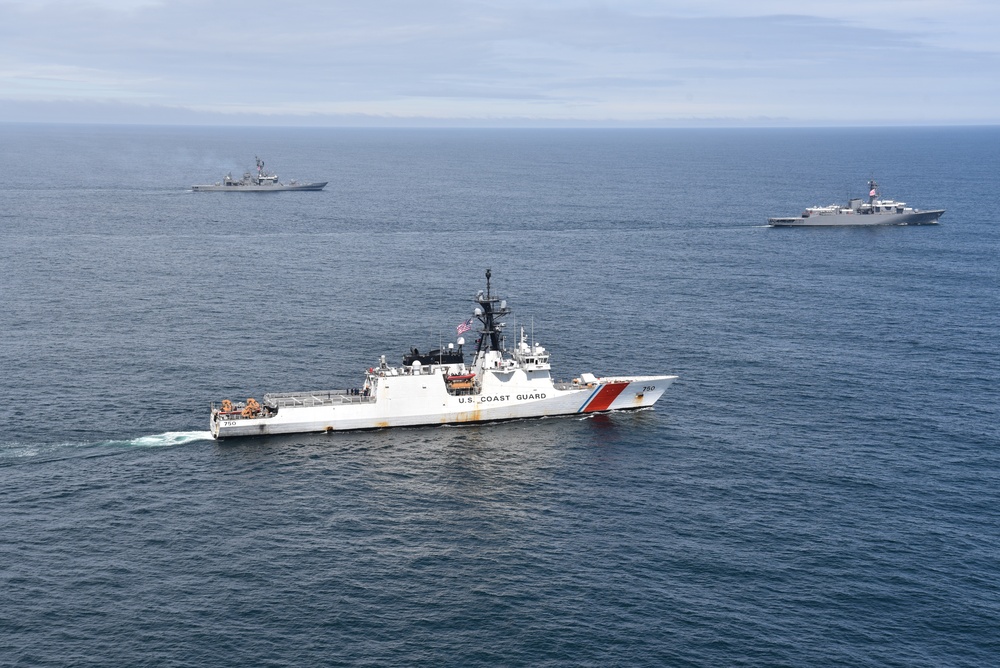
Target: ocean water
820, 487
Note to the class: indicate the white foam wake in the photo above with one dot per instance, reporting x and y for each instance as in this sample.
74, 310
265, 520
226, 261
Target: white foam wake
33, 450
171, 438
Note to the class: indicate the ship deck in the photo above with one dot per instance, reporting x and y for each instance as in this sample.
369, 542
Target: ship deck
310, 399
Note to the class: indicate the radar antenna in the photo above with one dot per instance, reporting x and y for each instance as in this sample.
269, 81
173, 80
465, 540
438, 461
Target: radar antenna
490, 308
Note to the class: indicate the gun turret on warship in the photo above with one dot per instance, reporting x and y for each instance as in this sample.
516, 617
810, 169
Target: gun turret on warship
440, 388
873, 212
261, 182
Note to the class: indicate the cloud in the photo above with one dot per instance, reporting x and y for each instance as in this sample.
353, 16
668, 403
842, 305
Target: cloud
633, 61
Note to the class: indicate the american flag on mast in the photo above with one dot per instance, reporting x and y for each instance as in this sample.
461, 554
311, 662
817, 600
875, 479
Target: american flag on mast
463, 327
871, 193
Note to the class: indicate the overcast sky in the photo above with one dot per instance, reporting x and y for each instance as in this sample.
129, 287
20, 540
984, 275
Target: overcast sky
502, 62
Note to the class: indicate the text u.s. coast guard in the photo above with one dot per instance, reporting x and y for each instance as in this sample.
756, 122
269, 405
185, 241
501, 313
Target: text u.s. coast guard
488, 399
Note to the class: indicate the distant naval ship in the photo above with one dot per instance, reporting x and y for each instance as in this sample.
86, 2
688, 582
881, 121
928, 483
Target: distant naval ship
262, 182
857, 212
440, 388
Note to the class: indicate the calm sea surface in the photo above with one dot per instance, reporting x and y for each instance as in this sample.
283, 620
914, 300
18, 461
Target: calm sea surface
820, 487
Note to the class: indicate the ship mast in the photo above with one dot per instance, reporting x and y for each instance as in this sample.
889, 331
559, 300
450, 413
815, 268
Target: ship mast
872, 191
490, 307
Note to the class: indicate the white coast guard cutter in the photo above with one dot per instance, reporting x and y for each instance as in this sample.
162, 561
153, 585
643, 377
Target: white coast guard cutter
439, 388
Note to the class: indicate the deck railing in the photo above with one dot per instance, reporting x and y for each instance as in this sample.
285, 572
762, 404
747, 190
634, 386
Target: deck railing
309, 399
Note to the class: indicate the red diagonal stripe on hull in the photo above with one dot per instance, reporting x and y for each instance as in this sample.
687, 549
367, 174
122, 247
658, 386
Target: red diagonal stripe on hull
605, 397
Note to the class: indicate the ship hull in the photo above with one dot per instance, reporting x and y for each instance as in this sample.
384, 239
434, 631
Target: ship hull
422, 400
859, 220
259, 189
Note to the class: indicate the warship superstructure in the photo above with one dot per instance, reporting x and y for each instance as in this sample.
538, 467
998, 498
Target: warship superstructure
261, 182
440, 388
858, 212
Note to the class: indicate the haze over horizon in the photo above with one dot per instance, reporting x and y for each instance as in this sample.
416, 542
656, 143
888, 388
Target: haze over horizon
551, 63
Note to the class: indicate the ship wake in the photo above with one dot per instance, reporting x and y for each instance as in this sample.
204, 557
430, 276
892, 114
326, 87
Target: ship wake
56, 451
168, 438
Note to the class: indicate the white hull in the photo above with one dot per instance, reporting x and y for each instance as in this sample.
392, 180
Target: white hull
438, 388
423, 399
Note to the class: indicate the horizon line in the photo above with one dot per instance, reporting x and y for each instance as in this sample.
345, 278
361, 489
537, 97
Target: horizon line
440, 124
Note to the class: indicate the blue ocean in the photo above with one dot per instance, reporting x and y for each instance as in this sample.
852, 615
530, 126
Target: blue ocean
820, 487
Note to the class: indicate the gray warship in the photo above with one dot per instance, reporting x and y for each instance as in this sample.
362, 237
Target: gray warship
262, 182
858, 212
